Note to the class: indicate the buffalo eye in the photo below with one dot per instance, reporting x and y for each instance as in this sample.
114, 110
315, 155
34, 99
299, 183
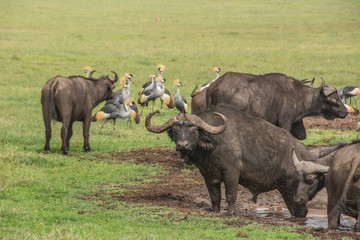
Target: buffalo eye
309, 179
176, 128
193, 130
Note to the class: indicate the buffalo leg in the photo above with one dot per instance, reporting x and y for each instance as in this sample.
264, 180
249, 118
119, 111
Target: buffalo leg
64, 135
356, 191
86, 134
296, 209
298, 130
47, 123
70, 132
215, 195
231, 180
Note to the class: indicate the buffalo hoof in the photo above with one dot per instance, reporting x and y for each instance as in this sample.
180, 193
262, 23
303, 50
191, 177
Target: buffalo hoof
87, 149
64, 152
357, 227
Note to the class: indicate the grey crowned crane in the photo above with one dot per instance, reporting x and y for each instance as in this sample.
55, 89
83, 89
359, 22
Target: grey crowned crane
116, 110
207, 84
348, 92
87, 70
152, 94
123, 94
180, 101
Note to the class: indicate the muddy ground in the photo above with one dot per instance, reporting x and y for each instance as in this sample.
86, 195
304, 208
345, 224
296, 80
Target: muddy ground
183, 189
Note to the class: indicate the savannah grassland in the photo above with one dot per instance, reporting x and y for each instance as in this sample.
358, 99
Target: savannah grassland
41, 194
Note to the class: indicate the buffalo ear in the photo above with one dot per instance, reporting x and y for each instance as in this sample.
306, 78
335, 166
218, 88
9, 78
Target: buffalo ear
328, 90
170, 134
205, 143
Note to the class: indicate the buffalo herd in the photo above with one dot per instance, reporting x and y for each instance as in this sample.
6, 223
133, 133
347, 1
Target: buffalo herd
244, 129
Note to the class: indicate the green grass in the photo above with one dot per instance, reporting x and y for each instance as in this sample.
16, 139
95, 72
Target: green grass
40, 195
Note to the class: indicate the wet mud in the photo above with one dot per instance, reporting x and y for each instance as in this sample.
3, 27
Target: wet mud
182, 188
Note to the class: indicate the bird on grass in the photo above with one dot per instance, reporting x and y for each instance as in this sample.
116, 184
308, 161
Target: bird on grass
123, 94
348, 92
114, 111
87, 70
166, 97
180, 101
152, 94
207, 84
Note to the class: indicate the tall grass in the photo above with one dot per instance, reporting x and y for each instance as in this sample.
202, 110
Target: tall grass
40, 39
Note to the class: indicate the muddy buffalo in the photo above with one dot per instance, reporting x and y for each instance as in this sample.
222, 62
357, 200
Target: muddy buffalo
341, 173
230, 146
275, 97
69, 99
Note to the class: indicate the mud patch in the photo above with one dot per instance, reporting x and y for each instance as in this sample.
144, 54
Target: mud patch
348, 123
182, 188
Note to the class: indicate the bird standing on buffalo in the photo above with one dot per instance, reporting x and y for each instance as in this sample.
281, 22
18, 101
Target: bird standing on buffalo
180, 101
207, 84
69, 99
87, 70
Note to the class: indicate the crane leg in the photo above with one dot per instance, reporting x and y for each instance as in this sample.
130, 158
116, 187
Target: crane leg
114, 128
142, 108
103, 125
355, 102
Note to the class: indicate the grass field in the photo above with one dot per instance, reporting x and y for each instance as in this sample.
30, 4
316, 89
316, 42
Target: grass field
40, 193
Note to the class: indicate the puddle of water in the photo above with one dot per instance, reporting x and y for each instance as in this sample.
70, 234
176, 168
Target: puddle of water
315, 217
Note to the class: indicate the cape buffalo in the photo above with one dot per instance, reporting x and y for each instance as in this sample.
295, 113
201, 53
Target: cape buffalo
275, 97
230, 146
341, 173
69, 99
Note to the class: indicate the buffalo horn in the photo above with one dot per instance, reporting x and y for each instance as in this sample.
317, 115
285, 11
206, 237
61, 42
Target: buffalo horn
158, 129
206, 127
308, 167
116, 77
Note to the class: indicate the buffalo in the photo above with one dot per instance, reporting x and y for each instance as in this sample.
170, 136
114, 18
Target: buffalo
231, 146
274, 97
69, 99
341, 173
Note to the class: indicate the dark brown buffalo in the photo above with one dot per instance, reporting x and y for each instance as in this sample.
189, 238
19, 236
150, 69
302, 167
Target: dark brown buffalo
275, 97
343, 186
341, 174
230, 146
69, 99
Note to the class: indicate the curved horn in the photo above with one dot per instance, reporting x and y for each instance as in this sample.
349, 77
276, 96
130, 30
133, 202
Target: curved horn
205, 126
307, 166
158, 129
91, 73
322, 83
116, 77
